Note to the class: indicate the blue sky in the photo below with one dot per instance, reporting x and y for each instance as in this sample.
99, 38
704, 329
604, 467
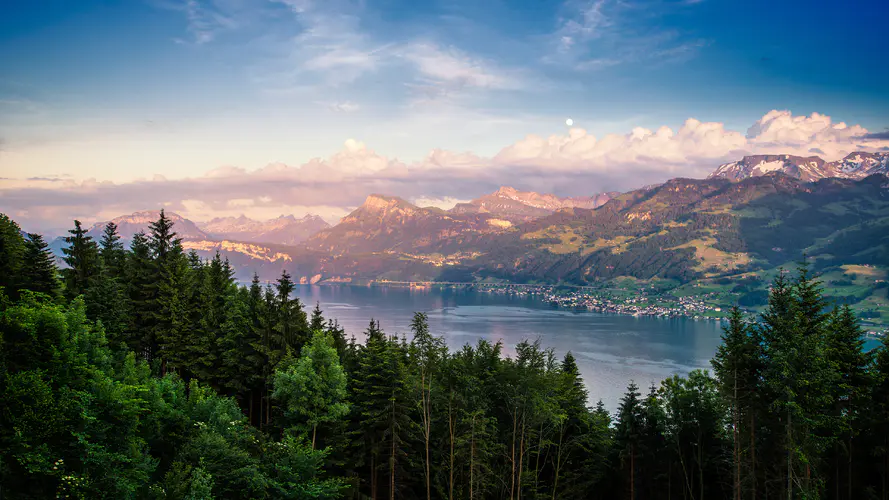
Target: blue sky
122, 90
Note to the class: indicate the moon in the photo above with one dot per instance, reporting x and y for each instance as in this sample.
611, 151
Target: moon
569, 122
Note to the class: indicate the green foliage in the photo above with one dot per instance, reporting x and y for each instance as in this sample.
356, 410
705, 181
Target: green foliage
203, 389
38, 267
312, 389
82, 257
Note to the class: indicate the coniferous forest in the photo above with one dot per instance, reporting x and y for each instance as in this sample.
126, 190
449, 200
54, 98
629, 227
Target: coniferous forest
147, 372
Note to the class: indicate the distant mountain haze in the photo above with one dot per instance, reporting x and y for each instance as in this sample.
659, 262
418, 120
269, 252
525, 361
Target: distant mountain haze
515, 205
283, 230
747, 217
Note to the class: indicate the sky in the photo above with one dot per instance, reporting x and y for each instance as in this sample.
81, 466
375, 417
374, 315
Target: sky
268, 107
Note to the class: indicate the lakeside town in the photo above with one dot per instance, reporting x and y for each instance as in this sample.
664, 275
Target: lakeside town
639, 302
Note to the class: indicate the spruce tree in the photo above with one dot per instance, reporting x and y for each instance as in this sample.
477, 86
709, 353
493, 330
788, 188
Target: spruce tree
878, 421
39, 269
11, 253
573, 422
850, 363
141, 290
627, 436
107, 299
738, 366
112, 252
427, 353
205, 352
240, 366
82, 257
317, 321
292, 323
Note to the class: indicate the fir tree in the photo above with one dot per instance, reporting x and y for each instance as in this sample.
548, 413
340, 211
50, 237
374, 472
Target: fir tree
292, 324
39, 269
11, 253
141, 290
82, 257
427, 353
112, 252
628, 434
317, 322
738, 365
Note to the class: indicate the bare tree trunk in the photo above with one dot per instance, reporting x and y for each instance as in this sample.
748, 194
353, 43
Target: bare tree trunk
558, 462
521, 458
392, 458
373, 477
451, 431
753, 453
737, 442
314, 428
633, 471
512, 454
788, 445
700, 467
537, 460
426, 402
472, 458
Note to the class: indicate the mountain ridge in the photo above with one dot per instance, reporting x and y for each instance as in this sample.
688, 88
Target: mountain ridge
856, 165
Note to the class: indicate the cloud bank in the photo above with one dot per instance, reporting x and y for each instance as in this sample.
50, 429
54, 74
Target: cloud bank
574, 164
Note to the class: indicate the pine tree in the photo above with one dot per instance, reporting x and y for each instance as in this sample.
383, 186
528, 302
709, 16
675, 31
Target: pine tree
82, 257
317, 322
850, 362
573, 424
627, 435
112, 252
11, 253
653, 454
380, 404
172, 324
240, 364
292, 323
39, 269
163, 238
141, 290
205, 352
107, 299
878, 420
169, 304
738, 365
427, 353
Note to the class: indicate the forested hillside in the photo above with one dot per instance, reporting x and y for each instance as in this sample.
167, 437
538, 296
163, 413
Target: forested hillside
149, 373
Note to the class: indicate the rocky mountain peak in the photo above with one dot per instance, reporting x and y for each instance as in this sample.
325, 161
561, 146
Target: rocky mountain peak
809, 169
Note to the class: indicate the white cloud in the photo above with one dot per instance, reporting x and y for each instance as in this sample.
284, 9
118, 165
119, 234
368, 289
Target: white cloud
344, 107
452, 68
596, 34
572, 164
697, 146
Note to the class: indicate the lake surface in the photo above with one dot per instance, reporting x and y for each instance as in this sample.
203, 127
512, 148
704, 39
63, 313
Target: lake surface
611, 350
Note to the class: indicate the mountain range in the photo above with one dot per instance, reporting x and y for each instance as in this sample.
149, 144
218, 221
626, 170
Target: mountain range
739, 225
283, 230
854, 166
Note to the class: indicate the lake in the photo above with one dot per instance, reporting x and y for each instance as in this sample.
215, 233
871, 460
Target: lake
611, 350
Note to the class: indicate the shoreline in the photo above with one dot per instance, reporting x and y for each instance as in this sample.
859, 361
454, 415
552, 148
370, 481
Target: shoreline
586, 299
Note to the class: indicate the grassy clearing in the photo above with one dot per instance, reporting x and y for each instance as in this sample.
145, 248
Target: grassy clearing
713, 259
